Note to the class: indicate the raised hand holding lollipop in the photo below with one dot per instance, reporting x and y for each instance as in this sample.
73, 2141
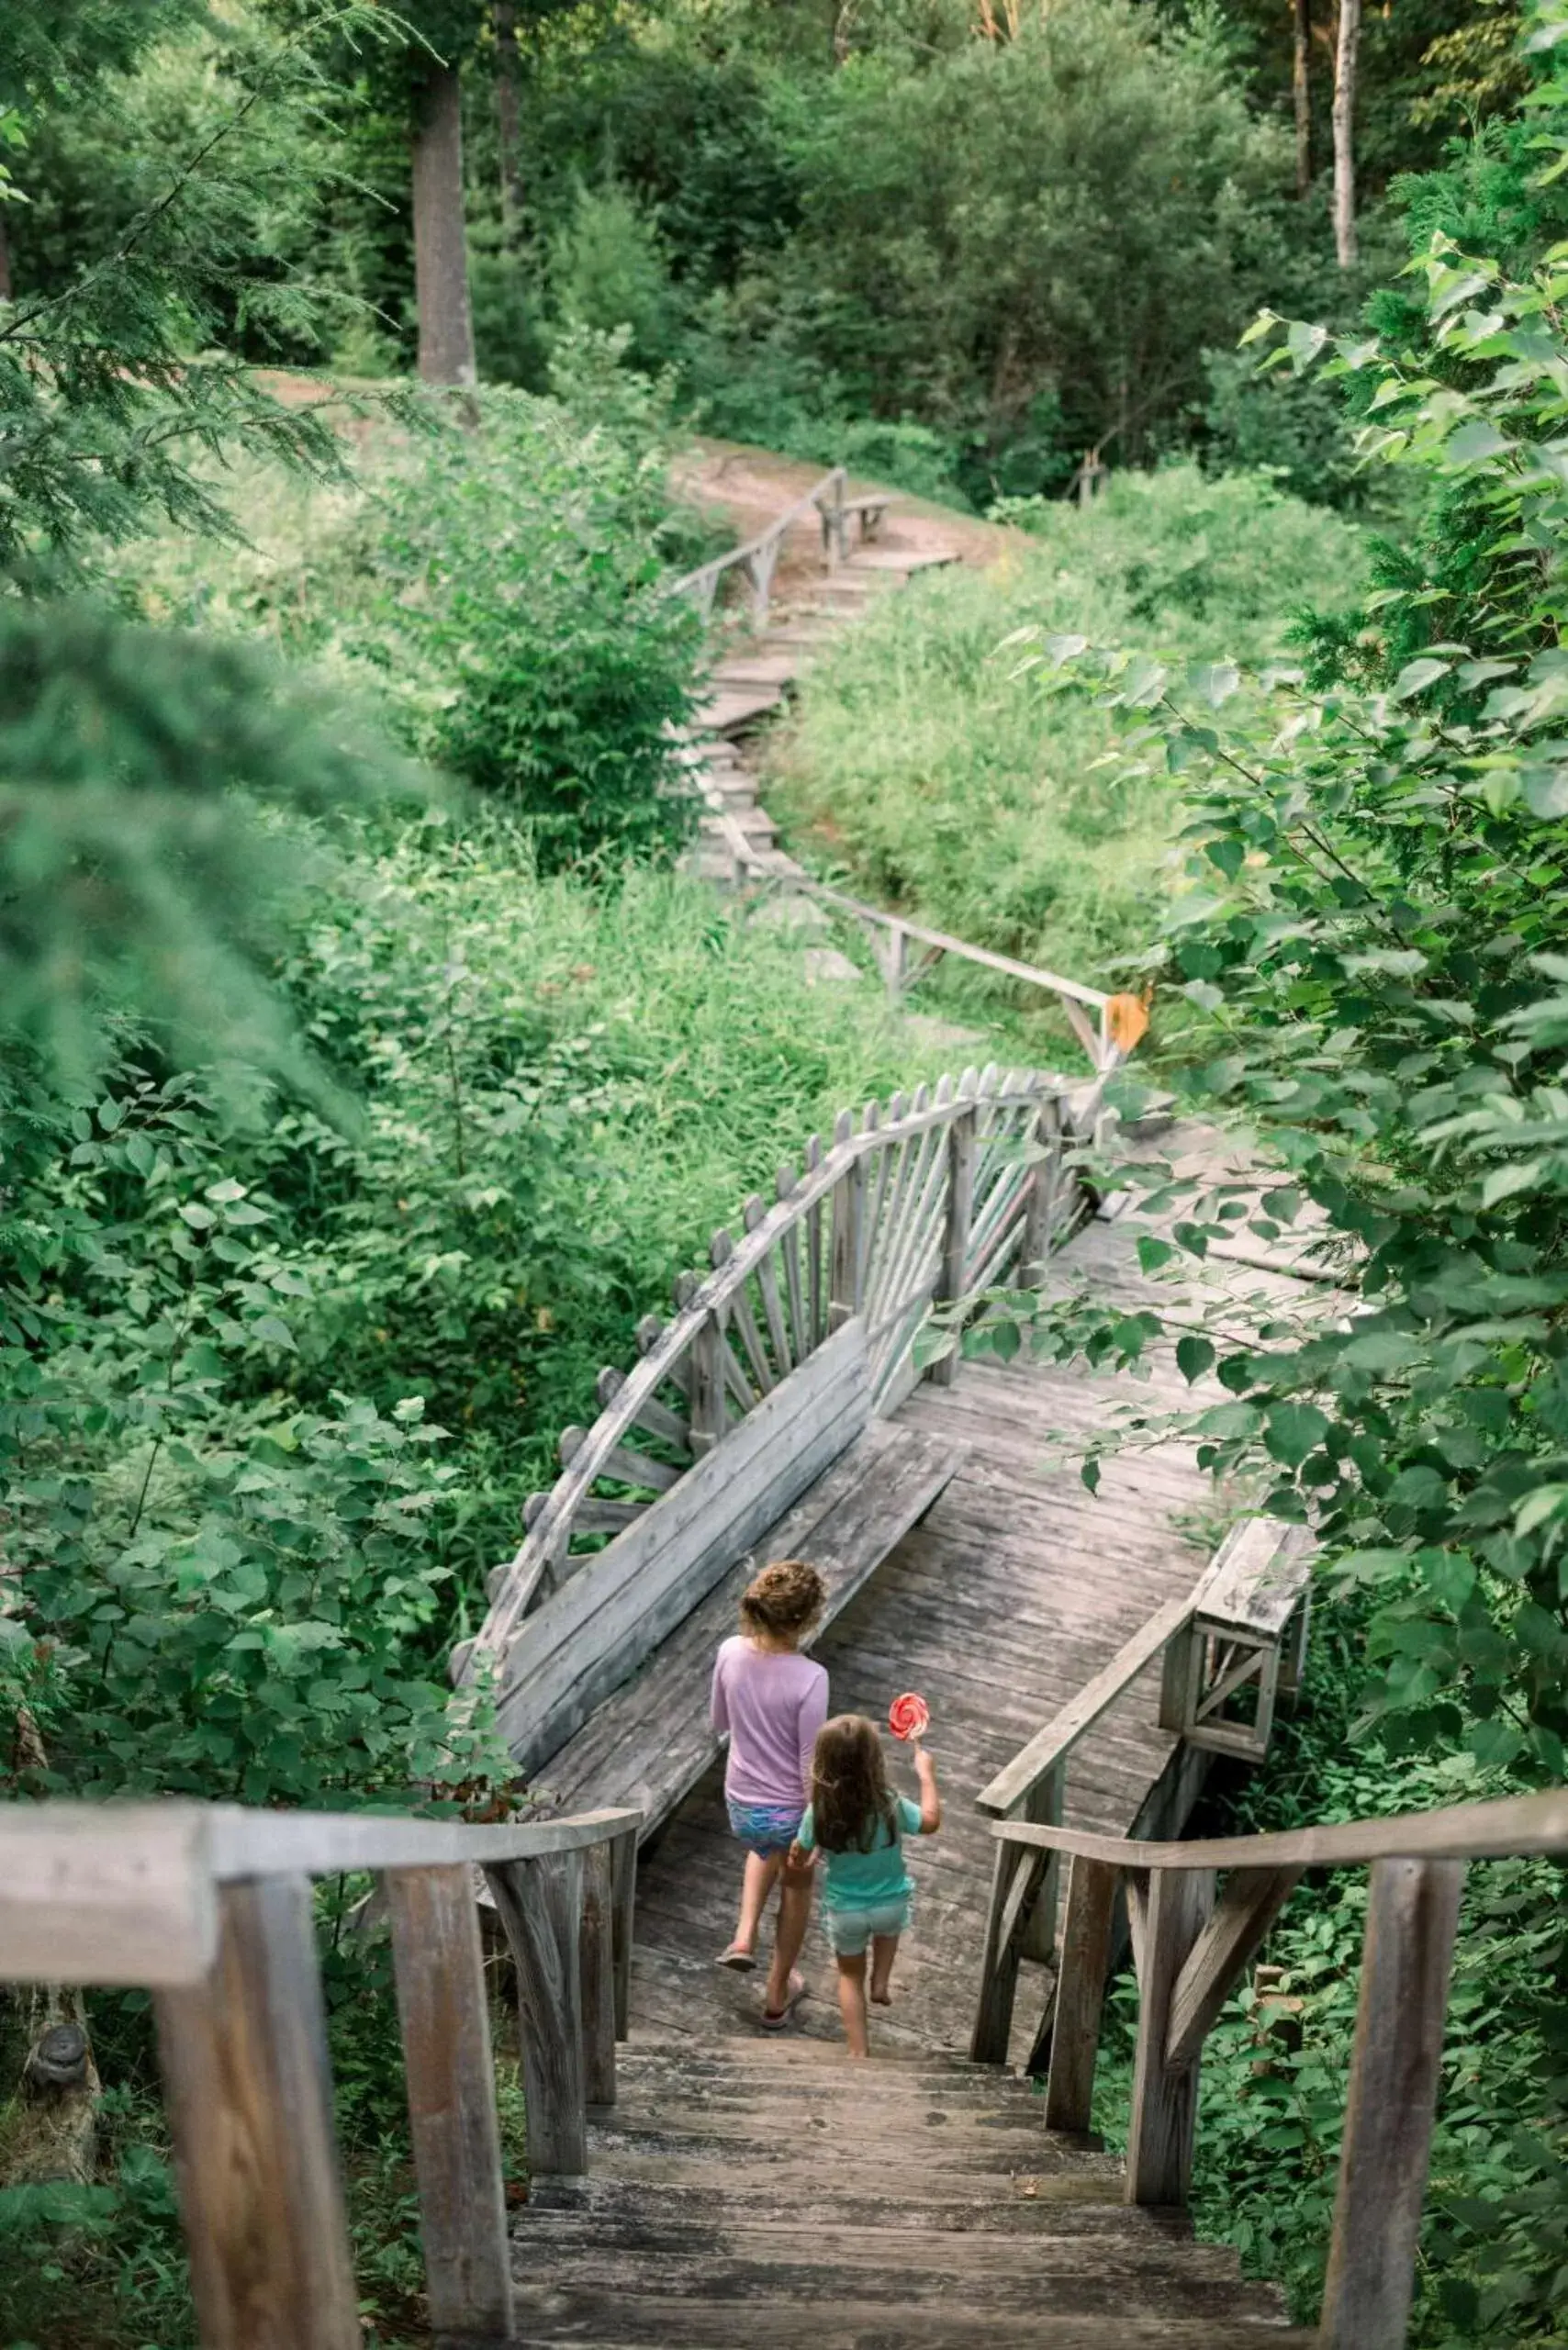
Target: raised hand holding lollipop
909, 1716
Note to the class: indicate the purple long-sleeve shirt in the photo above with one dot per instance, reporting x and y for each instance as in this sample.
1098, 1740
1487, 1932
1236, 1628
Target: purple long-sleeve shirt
771, 1705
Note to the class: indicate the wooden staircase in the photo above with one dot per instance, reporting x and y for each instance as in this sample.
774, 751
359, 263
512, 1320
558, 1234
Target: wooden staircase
769, 2191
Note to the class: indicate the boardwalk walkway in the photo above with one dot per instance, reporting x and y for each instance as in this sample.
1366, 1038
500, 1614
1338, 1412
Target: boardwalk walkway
1011, 1594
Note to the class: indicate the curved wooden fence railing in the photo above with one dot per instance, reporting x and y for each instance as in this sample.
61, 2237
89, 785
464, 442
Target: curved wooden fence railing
208, 1908
924, 1200
759, 557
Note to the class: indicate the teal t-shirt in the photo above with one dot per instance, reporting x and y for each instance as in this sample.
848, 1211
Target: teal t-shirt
872, 1880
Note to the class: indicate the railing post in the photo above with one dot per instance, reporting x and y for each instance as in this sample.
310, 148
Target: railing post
1165, 2097
597, 1954
250, 2099
1046, 1186
622, 1897
848, 1215
1021, 1922
710, 1412
1080, 1992
1412, 1919
962, 1139
450, 2069
539, 1903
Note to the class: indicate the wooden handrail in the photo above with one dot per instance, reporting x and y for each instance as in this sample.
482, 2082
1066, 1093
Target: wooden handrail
208, 1908
759, 555
1480, 1831
1051, 1746
778, 1293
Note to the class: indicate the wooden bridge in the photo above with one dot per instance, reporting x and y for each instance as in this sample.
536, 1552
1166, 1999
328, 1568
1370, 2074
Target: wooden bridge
694, 2182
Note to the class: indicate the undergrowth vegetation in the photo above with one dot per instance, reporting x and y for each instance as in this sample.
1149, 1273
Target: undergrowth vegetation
916, 768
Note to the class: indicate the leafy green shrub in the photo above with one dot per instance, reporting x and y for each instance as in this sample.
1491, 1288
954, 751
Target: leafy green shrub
522, 563
608, 270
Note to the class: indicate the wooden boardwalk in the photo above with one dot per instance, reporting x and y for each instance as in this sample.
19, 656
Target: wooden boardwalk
1015, 1590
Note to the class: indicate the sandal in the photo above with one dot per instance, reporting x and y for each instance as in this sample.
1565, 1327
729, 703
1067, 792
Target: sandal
739, 1961
771, 2022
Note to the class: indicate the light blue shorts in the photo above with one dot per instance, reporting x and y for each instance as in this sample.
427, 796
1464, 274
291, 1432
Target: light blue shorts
850, 1930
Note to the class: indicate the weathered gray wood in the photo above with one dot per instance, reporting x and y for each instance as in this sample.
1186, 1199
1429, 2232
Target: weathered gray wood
802, 1338
848, 1210
1474, 1831
1056, 1741
331, 1843
1049, 1184
1021, 1924
617, 1608
1165, 2099
93, 1895
540, 1905
1249, 1905
250, 2101
1259, 1574
654, 1734
653, 1417
629, 1467
1083, 1966
597, 1954
961, 1143
622, 1919
449, 2070
1412, 1918
710, 1411
1044, 1803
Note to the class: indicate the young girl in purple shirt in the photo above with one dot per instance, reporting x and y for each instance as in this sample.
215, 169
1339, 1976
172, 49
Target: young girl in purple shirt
771, 1702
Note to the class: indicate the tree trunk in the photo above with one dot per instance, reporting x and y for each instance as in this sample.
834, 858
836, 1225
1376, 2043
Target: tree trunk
441, 251
1302, 10
1344, 132
508, 115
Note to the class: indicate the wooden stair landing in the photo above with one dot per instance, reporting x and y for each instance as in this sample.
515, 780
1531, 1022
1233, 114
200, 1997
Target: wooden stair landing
773, 2192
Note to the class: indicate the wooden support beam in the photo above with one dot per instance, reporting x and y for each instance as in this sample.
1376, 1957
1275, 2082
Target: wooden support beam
597, 1958
710, 1411
540, 1905
1251, 1901
962, 1146
1021, 1924
1165, 2102
844, 1275
451, 2074
1412, 1918
1048, 1195
1080, 1993
249, 2102
623, 1895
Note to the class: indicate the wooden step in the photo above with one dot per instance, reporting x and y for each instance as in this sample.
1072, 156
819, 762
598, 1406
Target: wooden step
1031, 2207
878, 2318
727, 712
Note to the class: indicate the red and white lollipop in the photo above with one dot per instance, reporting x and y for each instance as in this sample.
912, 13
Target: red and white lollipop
909, 1716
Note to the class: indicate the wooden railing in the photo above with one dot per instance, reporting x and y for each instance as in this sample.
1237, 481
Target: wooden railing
210, 1907
759, 557
1191, 1950
1226, 1649
923, 1200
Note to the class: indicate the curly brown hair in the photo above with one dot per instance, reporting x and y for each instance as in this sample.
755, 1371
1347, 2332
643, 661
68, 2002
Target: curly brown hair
785, 1599
850, 1795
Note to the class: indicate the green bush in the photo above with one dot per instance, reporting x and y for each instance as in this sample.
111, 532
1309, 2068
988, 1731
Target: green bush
524, 563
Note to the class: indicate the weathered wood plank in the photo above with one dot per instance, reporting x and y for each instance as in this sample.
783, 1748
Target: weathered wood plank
595, 1946
1056, 1741
449, 2070
250, 2100
332, 1843
1249, 1905
1165, 2099
1476, 1832
94, 1894
1084, 1964
622, 1919
961, 1148
617, 1608
1412, 1919
540, 1905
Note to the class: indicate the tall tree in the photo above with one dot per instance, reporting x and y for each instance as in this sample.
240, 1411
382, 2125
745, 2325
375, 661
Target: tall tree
508, 114
1344, 132
1301, 19
441, 239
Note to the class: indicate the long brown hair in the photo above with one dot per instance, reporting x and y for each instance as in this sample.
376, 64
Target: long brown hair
850, 1795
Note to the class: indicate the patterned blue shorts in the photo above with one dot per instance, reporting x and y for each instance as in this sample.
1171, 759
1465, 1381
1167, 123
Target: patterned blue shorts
766, 1828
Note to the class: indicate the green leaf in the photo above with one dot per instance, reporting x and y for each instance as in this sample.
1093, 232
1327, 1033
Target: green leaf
1472, 443
1153, 1253
1293, 1430
271, 1330
1193, 1357
1417, 676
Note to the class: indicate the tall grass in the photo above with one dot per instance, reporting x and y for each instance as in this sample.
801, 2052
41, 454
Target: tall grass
920, 767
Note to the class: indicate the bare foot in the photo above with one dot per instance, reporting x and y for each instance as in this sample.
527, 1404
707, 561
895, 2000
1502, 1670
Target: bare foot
882, 1999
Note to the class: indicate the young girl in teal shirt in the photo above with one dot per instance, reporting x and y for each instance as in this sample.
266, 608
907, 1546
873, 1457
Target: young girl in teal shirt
858, 1824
